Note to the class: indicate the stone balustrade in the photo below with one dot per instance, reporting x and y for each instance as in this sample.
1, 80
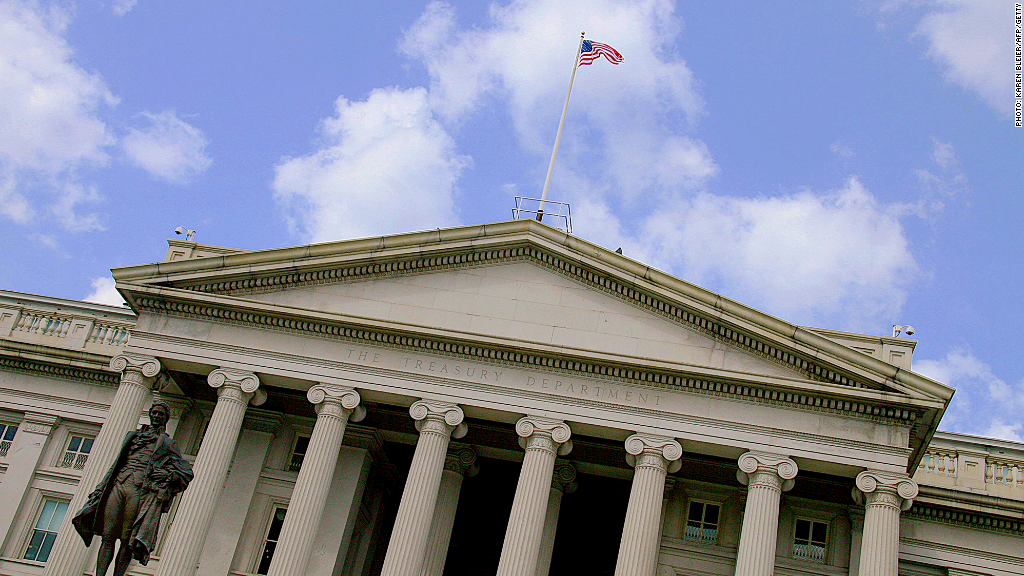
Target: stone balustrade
67, 324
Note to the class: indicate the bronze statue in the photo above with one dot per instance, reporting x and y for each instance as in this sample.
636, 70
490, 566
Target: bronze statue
127, 504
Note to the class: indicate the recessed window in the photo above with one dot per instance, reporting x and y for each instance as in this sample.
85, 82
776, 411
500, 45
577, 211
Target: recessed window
270, 542
298, 453
76, 453
810, 540
45, 530
7, 432
702, 522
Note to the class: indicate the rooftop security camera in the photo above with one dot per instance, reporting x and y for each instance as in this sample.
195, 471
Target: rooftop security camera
188, 233
897, 329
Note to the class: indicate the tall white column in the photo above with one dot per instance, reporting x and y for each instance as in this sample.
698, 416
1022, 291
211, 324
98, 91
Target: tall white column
563, 481
335, 406
69, 555
653, 457
543, 439
236, 389
767, 476
459, 463
22, 459
437, 423
884, 495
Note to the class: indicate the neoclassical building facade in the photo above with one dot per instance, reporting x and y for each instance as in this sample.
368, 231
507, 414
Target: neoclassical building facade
501, 399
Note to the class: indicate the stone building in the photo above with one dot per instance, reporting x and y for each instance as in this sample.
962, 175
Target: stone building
501, 399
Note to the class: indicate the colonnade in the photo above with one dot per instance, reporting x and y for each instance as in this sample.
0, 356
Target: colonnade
426, 513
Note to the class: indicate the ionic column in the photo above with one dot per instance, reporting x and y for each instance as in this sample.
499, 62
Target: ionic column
543, 439
459, 463
884, 495
563, 481
437, 423
138, 373
335, 406
767, 476
653, 457
236, 389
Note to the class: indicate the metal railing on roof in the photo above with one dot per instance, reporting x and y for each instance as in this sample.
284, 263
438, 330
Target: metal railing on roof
555, 214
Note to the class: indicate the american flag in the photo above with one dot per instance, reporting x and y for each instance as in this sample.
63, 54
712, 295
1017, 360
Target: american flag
593, 50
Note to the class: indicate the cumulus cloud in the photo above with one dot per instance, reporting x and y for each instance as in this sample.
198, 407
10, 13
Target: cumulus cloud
167, 147
639, 111
49, 110
968, 40
840, 257
104, 292
984, 404
385, 165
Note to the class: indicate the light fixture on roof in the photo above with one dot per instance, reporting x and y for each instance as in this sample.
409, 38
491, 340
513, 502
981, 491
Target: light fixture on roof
897, 329
188, 233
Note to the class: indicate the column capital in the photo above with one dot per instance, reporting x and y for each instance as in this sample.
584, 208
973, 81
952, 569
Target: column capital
148, 366
563, 478
336, 400
651, 445
240, 385
767, 468
461, 459
885, 488
548, 433
438, 416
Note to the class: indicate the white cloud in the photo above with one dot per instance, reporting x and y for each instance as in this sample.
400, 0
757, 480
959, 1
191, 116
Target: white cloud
49, 109
623, 119
840, 258
104, 292
841, 149
984, 404
122, 7
64, 209
386, 165
971, 41
167, 147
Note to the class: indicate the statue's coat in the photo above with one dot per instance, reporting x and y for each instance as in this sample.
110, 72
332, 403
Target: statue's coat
156, 496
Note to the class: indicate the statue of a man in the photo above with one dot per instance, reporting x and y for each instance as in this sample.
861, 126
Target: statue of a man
127, 504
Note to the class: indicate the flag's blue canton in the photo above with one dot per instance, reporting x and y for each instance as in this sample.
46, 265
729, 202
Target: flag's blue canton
587, 46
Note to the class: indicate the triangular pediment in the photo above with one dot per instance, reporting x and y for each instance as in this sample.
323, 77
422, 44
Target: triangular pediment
524, 285
520, 301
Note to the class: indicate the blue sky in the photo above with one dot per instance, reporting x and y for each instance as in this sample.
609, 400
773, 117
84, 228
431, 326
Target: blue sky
846, 165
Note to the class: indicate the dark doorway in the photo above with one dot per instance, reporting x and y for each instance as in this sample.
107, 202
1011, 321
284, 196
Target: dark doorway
485, 503
590, 527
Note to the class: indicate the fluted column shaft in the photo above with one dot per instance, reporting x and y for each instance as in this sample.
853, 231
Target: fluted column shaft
543, 439
459, 463
767, 476
884, 495
68, 556
563, 481
437, 423
335, 406
235, 390
651, 457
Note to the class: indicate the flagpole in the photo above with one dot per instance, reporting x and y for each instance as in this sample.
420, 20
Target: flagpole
558, 136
